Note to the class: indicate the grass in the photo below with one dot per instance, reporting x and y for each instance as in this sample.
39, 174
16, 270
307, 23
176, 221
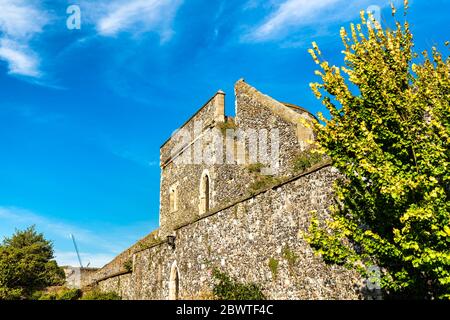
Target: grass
255, 167
273, 265
263, 182
226, 125
306, 159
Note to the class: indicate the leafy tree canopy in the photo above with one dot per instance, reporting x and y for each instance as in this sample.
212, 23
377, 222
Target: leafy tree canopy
27, 265
389, 136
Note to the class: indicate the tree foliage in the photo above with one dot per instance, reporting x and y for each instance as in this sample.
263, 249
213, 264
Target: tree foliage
27, 265
389, 136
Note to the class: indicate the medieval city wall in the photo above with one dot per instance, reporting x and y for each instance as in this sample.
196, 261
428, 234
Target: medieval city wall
264, 132
245, 239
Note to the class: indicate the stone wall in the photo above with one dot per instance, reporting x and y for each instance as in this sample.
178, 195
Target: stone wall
257, 111
119, 264
183, 172
241, 239
79, 277
185, 177
253, 235
211, 112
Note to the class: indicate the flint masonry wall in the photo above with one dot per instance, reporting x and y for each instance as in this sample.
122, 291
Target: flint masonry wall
228, 181
241, 239
255, 238
186, 177
257, 111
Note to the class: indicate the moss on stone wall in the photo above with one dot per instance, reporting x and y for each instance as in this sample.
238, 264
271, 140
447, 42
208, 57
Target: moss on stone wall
255, 167
307, 159
263, 182
128, 265
226, 125
273, 266
268, 226
290, 256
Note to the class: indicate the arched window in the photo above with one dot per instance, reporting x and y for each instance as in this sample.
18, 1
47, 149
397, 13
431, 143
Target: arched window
173, 198
174, 283
205, 191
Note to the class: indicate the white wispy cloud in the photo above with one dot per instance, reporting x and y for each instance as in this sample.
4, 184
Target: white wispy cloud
291, 15
98, 245
20, 22
70, 258
23, 217
135, 16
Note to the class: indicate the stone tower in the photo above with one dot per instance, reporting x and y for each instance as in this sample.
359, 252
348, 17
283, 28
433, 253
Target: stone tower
232, 200
205, 164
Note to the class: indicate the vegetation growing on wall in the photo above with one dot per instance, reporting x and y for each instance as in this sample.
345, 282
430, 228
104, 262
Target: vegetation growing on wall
273, 266
307, 159
263, 182
149, 241
128, 265
226, 288
290, 256
226, 125
390, 138
255, 167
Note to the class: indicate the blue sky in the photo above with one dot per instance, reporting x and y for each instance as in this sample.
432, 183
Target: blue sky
83, 112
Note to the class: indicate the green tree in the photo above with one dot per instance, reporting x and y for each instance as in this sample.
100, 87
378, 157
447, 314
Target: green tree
27, 265
389, 136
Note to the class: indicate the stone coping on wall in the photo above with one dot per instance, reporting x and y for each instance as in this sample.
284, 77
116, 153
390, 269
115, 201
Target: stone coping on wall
116, 265
196, 113
166, 162
215, 211
130, 252
117, 274
151, 246
124, 272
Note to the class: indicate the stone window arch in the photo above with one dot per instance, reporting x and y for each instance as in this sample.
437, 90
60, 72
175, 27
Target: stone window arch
173, 198
174, 283
205, 193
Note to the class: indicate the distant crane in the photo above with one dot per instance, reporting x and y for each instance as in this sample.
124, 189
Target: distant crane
76, 249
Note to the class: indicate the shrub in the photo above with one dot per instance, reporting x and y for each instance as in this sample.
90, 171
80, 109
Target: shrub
96, 294
10, 294
59, 294
226, 288
128, 265
71, 294
40, 295
255, 167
